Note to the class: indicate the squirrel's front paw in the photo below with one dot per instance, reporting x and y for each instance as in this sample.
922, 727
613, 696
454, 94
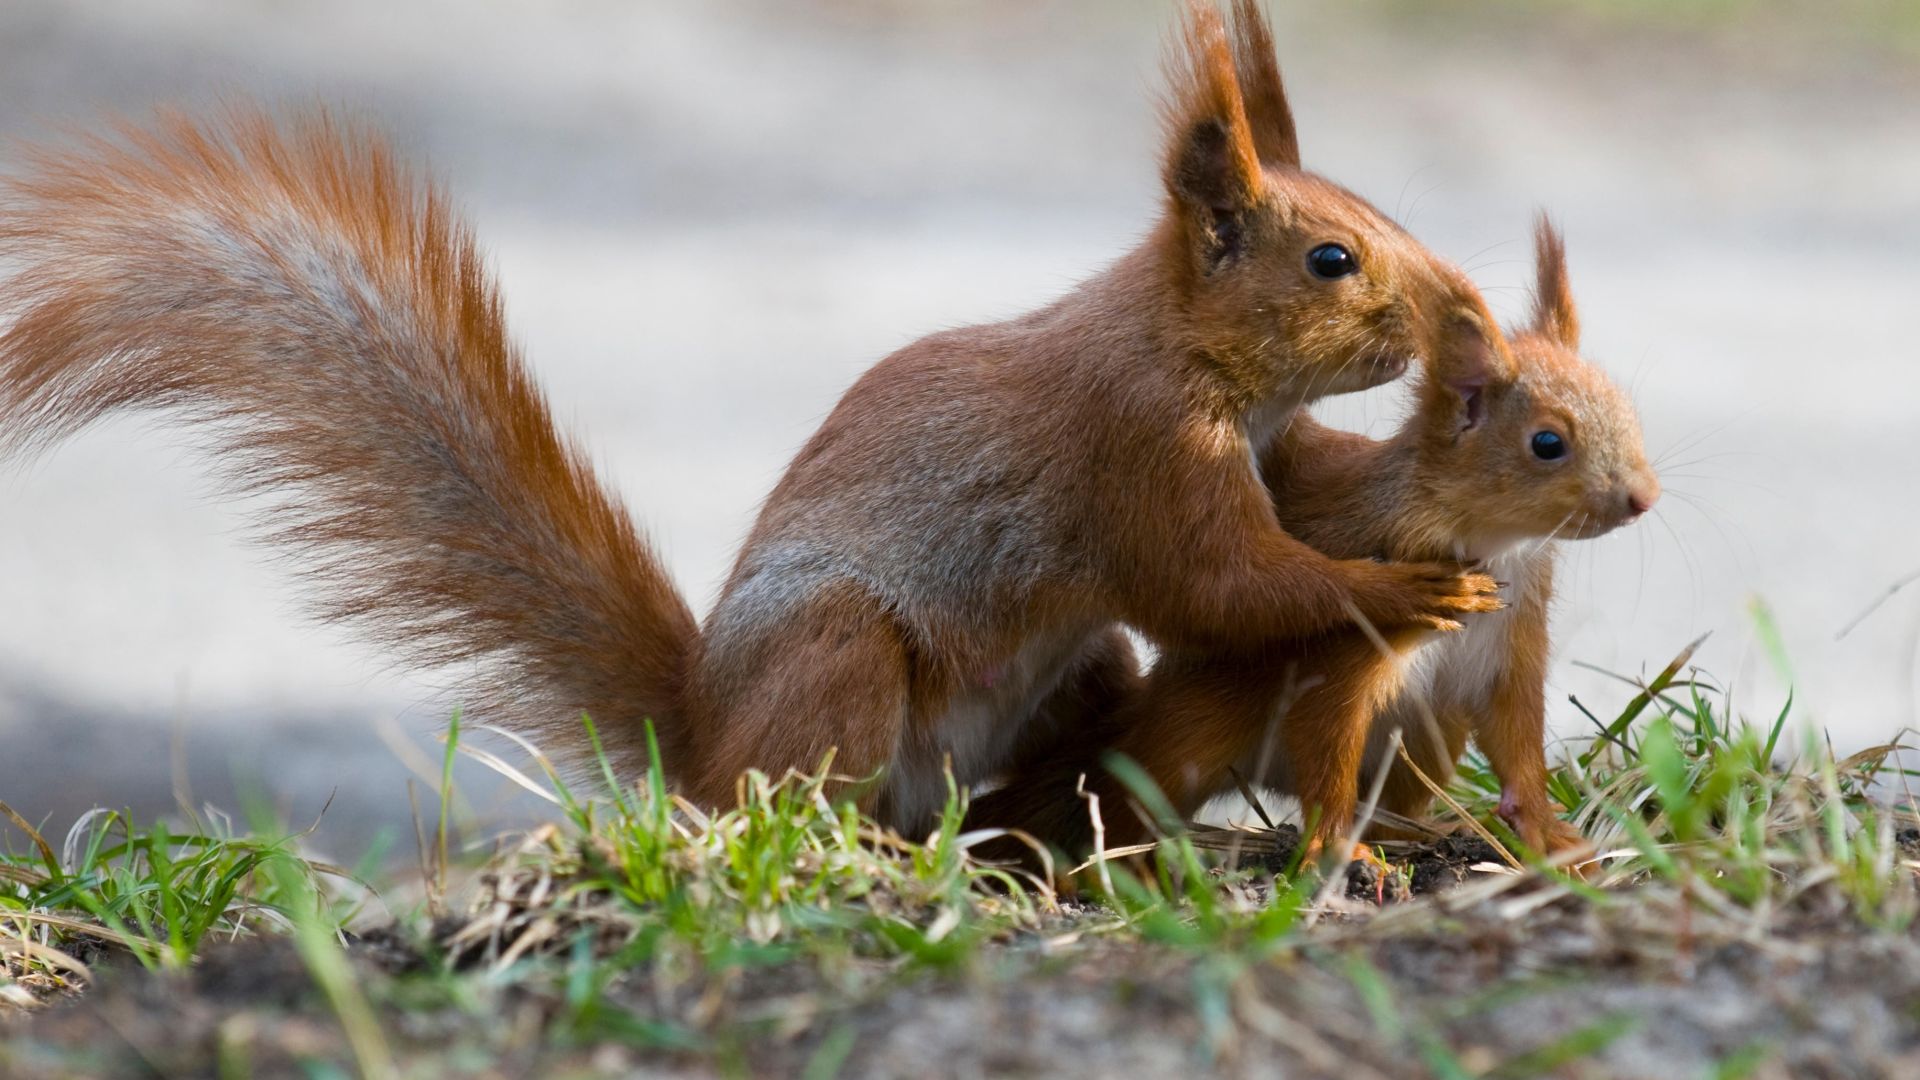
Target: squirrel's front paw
1426, 596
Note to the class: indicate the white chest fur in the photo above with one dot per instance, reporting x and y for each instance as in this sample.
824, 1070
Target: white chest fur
1459, 670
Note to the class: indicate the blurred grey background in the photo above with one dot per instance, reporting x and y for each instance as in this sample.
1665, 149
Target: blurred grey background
710, 217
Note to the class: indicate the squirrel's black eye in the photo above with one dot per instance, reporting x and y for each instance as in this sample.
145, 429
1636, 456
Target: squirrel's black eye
1329, 261
1548, 447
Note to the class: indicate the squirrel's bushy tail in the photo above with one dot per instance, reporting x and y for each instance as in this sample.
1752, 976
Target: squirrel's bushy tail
328, 324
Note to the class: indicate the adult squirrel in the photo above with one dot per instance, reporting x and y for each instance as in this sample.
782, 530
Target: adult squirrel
1498, 461
937, 576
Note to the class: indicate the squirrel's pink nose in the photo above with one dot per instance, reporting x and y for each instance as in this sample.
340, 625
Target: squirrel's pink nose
1641, 497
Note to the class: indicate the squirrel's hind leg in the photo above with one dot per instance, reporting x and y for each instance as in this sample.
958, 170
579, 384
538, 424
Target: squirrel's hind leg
1084, 709
832, 676
1325, 727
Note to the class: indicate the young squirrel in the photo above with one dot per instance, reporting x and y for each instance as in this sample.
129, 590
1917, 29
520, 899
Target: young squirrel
1497, 462
936, 577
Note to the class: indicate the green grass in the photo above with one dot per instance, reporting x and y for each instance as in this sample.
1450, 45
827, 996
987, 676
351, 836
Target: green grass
1677, 792
644, 921
793, 871
156, 893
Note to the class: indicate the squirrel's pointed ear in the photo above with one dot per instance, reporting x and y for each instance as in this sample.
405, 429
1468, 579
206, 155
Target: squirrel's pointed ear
1554, 315
1212, 170
1269, 119
1473, 356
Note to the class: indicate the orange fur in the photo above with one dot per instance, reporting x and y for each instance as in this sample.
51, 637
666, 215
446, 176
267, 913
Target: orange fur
334, 323
1269, 119
937, 576
1460, 479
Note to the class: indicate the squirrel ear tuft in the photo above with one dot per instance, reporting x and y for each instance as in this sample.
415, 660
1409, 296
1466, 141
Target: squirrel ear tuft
1554, 315
1212, 170
1269, 119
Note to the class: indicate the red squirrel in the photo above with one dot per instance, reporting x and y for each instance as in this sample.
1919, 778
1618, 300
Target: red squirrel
937, 577
1498, 461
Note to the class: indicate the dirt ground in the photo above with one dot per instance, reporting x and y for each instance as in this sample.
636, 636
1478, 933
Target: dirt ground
1527, 982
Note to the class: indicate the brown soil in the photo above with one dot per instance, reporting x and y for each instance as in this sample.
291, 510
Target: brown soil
1525, 981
